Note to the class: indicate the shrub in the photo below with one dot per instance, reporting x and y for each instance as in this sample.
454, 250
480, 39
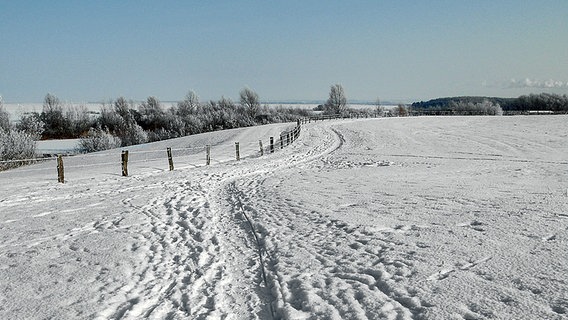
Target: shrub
15, 145
32, 124
133, 134
121, 122
98, 140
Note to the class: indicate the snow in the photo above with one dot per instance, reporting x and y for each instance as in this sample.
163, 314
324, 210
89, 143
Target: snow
398, 218
57, 146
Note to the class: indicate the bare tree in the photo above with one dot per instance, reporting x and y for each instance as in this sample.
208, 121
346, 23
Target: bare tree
379, 110
401, 110
337, 101
51, 103
250, 101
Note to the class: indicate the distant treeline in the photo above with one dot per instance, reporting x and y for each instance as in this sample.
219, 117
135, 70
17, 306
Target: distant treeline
523, 104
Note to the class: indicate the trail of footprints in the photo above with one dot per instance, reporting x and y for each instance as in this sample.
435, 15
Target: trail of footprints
183, 272
334, 267
180, 269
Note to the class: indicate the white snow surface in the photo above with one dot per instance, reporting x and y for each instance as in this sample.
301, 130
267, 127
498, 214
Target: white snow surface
398, 218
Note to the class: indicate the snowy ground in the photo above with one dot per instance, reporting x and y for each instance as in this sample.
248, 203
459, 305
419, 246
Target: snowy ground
399, 218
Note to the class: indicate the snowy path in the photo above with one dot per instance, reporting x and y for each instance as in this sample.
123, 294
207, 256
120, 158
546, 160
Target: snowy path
320, 268
424, 218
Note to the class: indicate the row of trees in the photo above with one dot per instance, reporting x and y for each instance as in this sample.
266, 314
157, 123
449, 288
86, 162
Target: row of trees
150, 121
123, 122
533, 102
485, 107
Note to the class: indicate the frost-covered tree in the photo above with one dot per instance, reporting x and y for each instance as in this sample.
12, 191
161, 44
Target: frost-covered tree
250, 101
134, 135
188, 105
4, 117
120, 121
32, 124
122, 108
223, 104
337, 101
98, 140
15, 145
152, 116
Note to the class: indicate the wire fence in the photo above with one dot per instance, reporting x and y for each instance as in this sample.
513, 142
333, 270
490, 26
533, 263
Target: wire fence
163, 159
184, 157
169, 158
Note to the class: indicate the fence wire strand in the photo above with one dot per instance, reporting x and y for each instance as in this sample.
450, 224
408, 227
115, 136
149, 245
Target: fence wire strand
182, 157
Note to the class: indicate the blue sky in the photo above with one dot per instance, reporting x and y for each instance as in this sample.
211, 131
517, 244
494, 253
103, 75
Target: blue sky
87, 51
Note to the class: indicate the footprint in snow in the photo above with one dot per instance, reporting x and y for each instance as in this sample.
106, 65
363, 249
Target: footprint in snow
550, 237
442, 274
560, 306
475, 225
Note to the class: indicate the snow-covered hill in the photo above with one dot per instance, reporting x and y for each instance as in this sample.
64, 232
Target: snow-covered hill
400, 218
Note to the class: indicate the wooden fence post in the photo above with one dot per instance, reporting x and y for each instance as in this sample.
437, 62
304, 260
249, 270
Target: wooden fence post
287, 138
281, 141
170, 159
237, 151
60, 170
124, 157
261, 148
271, 144
208, 154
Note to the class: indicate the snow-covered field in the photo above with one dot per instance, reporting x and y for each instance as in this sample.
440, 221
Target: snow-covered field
398, 218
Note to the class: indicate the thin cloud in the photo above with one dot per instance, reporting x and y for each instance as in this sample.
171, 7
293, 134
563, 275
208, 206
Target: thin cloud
531, 83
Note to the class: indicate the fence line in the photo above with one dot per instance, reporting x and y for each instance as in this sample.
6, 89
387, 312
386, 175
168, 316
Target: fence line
276, 144
170, 156
27, 160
